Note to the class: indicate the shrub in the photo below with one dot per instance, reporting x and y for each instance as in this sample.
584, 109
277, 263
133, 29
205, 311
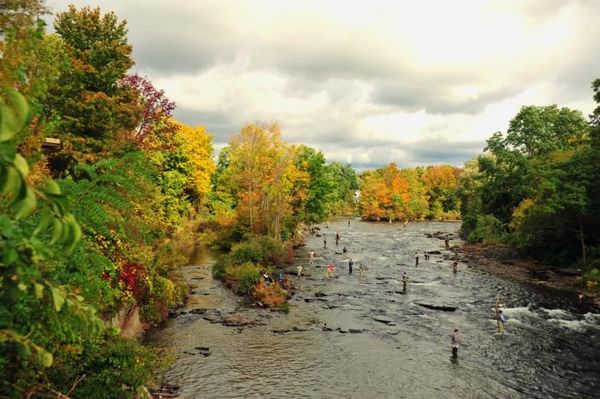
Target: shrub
488, 230
591, 279
218, 270
249, 251
247, 276
272, 296
114, 369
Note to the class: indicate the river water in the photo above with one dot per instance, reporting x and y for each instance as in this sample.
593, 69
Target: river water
361, 337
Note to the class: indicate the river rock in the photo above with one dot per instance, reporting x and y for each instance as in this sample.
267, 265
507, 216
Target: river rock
320, 294
236, 320
212, 318
382, 319
445, 308
355, 330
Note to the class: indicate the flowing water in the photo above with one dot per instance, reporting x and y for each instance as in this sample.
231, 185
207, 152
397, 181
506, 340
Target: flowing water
361, 337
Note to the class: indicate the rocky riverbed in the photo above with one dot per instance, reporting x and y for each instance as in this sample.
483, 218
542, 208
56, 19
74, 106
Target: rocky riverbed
363, 336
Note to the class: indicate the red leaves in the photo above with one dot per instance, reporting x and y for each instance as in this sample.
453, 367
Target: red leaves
133, 276
155, 104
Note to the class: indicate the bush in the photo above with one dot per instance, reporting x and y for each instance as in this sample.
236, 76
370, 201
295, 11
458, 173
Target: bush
272, 296
218, 270
114, 370
591, 279
488, 230
247, 276
249, 251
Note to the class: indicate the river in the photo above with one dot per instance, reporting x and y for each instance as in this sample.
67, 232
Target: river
361, 337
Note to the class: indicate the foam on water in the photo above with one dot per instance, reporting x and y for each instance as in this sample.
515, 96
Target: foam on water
519, 311
556, 313
575, 325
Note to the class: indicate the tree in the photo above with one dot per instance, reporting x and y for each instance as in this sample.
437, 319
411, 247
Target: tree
154, 102
534, 132
87, 98
441, 185
319, 189
262, 172
344, 183
21, 28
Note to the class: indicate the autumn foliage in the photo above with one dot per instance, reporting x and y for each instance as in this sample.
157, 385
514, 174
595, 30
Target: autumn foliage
390, 193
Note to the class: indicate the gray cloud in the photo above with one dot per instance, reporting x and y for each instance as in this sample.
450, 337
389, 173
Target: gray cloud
354, 73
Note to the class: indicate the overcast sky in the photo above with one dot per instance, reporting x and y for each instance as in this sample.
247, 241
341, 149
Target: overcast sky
366, 82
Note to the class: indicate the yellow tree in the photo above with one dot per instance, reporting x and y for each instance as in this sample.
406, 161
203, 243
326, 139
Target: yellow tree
197, 146
262, 172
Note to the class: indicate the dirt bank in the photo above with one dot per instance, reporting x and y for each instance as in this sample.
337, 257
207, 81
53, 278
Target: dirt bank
503, 262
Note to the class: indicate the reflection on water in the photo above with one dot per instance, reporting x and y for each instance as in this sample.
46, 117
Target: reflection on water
365, 339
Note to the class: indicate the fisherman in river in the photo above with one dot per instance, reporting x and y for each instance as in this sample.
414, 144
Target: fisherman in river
324, 242
404, 282
330, 270
337, 238
348, 223
361, 270
311, 257
502, 320
455, 342
266, 277
454, 267
416, 258
344, 251
350, 263
447, 241
405, 223
300, 271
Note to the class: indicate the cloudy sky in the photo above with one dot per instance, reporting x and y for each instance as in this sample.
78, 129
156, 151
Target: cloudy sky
366, 82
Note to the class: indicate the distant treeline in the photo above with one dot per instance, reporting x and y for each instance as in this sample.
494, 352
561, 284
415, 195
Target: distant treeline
392, 194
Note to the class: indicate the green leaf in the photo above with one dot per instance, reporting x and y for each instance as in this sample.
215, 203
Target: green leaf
10, 180
57, 230
11, 256
21, 108
57, 297
75, 234
8, 123
27, 205
52, 187
21, 165
47, 359
45, 219
39, 290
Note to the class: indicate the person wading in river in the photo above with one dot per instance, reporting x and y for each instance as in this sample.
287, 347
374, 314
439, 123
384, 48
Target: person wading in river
499, 321
324, 242
350, 263
455, 267
416, 258
337, 238
404, 282
455, 342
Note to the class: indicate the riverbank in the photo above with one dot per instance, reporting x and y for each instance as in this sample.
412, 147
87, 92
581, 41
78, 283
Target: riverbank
502, 262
